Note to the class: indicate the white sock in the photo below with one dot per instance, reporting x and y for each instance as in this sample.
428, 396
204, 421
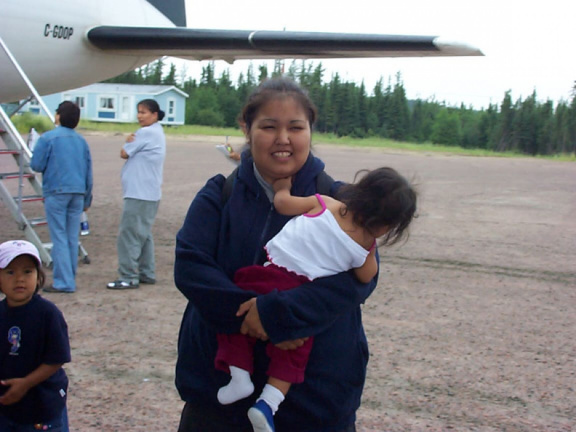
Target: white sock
239, 387
272, 396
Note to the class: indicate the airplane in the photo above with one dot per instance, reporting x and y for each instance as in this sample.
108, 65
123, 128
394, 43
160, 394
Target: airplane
67, 44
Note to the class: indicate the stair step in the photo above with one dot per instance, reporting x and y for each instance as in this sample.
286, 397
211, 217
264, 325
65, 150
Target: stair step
30, 198
38, 221
8, 151
8, 176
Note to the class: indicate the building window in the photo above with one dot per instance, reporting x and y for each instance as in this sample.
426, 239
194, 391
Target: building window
171, 107
106, 103
79, 100
106, 108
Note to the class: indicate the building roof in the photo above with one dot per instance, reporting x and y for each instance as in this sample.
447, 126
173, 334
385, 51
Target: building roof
109, 88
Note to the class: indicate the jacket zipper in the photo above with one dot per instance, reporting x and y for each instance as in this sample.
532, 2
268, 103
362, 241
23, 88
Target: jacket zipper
263, 234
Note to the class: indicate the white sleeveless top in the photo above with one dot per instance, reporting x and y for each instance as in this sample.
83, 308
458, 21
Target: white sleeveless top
315, 246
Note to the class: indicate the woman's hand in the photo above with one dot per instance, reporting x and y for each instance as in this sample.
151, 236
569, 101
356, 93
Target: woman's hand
131, 137
291, 344
251, 326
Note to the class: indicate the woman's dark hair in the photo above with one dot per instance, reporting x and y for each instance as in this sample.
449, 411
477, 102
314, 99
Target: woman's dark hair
69, 114
153, 107
271, 89
381, 198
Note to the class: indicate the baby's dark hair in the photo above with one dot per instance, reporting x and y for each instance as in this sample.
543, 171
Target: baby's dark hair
382, 198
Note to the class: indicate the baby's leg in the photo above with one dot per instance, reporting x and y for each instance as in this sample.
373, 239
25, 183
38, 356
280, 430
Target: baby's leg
261, 414
239, 387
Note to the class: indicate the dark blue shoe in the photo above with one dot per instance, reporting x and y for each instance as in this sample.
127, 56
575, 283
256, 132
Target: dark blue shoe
261, 417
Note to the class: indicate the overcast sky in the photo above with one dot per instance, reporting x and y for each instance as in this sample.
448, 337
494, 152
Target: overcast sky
527, 45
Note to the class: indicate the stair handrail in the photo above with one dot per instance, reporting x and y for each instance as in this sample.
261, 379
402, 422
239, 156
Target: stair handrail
26, 80
14, 132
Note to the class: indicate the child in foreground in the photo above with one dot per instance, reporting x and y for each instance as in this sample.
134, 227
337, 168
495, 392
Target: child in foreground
33, 384
328, 237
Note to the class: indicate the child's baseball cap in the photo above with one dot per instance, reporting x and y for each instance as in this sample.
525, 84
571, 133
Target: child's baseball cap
14, 248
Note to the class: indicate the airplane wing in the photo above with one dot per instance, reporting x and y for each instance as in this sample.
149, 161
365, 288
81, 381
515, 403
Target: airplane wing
230, 45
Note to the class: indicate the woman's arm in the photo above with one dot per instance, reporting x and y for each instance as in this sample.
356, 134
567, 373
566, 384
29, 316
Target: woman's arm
311, 308
197, 274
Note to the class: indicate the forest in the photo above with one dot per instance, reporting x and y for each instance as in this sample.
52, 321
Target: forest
526, 126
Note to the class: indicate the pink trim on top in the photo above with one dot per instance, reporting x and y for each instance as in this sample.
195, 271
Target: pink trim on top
322, 203
373, 246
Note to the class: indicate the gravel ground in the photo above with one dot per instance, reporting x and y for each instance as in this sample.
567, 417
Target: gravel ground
470, 329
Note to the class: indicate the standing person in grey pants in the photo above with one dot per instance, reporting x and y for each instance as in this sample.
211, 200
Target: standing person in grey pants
144, 152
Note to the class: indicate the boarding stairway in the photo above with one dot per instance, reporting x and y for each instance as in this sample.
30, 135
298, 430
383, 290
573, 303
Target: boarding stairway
20, 186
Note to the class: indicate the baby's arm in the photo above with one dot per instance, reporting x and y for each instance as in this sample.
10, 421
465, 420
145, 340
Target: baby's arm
18, 387
289, 205
368, 270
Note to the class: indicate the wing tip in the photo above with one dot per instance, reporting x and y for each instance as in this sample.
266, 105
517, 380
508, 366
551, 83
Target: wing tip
454, 47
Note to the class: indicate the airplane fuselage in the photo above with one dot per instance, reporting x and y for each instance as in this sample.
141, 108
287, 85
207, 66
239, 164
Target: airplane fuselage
49, 43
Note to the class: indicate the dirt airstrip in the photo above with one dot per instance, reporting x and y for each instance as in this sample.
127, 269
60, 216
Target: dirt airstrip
472, 327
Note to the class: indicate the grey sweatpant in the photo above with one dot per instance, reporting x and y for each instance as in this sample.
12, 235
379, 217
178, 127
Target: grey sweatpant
135, 243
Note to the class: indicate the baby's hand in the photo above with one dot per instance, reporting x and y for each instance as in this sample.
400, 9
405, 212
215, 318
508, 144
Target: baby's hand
282, 184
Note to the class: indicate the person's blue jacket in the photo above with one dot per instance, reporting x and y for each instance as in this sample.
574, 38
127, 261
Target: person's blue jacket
216, 239
63, 157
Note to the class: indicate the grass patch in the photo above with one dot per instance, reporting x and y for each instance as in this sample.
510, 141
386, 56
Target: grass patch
28, 120
169, 130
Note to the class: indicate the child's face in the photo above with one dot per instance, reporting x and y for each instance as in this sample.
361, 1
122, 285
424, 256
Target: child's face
18, 281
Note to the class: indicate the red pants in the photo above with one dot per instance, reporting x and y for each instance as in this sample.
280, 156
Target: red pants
237, 349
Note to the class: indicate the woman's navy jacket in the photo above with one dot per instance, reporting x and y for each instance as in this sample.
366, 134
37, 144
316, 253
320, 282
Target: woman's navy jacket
218, 237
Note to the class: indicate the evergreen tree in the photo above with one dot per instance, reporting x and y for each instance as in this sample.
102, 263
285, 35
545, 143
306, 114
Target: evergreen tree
156, 76
205, 109
207, 78
344, 108
487, 127
470, 127
446, 129
398, 112
503, 139
262, 73
170, 79
228, 102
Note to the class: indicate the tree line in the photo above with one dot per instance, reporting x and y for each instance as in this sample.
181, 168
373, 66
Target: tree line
526, 126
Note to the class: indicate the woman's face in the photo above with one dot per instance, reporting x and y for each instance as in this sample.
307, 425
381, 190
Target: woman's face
280, 138
145, 116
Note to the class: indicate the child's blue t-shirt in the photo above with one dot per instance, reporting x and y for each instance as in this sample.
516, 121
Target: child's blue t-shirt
31, 335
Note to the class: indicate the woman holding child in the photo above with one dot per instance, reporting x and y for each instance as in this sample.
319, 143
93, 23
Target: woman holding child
222, 234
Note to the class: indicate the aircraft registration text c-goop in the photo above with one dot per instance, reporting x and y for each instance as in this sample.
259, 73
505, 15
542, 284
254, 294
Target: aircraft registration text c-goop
58, 31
